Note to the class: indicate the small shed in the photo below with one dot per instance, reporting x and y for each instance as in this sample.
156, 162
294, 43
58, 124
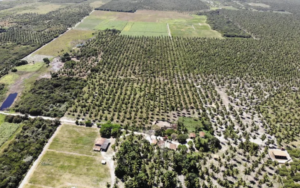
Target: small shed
105, 145
100, 141
192, 135
202, 134
278, 154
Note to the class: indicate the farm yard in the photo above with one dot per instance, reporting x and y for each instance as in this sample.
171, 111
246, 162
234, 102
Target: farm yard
73, 163
150, 23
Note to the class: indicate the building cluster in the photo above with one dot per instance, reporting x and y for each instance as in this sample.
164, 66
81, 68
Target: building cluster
101, 144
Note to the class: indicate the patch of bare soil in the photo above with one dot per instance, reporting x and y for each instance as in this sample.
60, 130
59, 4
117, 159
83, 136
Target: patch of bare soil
36, 58
56, 65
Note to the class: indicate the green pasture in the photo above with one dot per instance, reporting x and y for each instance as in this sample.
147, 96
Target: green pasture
145, 29
30, 67
190, 123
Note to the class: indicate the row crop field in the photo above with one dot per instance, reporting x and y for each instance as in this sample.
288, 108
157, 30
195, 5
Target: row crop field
150, 23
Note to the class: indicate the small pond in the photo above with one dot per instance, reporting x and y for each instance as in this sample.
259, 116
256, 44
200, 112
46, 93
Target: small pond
9, 101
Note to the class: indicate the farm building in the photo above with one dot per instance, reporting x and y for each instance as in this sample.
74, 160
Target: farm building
202, 134
192, 135
279, 155
101, 143
105, 145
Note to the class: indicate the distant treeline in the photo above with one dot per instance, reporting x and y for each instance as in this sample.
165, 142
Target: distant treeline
63, 1
166, 5
50, 97
226, 27
17, 158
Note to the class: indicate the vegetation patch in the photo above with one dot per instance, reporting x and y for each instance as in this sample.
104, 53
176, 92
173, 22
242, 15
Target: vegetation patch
145, 29
9, 79
50, 97
169, 5
19, 155
111, 24
6, 131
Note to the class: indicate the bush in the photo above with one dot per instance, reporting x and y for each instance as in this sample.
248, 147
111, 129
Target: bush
107, 130
182, 138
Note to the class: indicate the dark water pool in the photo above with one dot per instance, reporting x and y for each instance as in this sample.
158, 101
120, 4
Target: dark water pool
9, 100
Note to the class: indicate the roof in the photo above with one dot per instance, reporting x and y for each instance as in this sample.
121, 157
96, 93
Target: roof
154, 141
161, 143
105, 145
201, 134
172, 146
192, 135
100, 141
279, 153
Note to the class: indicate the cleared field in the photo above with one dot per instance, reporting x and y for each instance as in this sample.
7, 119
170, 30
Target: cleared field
150, 23
6, 131
68, 170
30, 67
70, 162
65, 42
76, 139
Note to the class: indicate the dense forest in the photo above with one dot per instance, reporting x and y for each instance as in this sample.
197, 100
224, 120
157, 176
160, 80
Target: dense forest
19, 155
27, 32
50, 97
170, 5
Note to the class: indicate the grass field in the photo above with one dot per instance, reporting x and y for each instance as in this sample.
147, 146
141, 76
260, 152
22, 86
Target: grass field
65, 42
76, 139
9, 78
190, 123
6, 131
40, 8
145, 29
30, 67
150, 23
70, 162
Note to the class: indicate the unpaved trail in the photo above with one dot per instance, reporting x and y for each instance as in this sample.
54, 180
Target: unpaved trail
110, 162
169, 31
71, 153
62, 120
36, 162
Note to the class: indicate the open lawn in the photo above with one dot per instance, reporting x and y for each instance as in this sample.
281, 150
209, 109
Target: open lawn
70, 161
30, 67
9, 78
150, 23
65, 42
190, 123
